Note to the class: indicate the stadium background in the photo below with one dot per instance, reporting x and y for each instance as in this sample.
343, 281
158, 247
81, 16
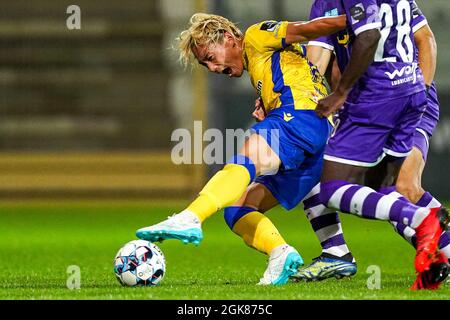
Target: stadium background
89, 113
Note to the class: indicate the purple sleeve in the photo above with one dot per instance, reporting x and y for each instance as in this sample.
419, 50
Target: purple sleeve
317, 11
362, 15
418, 20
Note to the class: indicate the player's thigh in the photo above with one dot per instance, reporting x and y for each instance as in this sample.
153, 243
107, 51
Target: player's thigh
262, 155
410, 176
257, 196
340, 171
412, 168
384, 174
378, 176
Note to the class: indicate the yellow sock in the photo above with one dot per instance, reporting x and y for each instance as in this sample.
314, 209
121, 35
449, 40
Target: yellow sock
203, 207
258, 232
222, 190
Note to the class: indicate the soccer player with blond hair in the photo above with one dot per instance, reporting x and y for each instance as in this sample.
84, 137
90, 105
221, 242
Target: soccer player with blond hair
282, 159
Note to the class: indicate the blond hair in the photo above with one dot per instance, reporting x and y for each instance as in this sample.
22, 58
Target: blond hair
204, 29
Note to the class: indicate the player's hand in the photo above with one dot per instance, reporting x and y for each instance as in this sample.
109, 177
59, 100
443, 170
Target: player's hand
330, 104
259, 114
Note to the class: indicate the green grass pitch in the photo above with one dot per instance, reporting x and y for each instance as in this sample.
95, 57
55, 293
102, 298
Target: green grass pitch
38, 242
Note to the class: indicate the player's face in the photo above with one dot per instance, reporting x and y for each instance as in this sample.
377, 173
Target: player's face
225, 58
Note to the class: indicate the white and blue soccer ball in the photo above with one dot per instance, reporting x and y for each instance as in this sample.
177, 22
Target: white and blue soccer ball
139, 263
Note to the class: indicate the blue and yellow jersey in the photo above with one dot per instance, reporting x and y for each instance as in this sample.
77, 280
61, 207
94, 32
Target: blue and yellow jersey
281, 74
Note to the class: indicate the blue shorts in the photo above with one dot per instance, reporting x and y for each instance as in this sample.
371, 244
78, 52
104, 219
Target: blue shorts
299, 138
289, 187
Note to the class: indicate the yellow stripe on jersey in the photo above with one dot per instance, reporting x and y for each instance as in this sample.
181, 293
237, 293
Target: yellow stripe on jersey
281, 74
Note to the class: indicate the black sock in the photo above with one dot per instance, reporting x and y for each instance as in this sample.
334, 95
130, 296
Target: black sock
347, 257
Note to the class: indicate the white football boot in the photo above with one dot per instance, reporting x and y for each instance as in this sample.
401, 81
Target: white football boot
283, 263
184, 226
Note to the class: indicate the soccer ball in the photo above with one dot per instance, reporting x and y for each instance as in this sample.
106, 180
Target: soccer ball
139, 263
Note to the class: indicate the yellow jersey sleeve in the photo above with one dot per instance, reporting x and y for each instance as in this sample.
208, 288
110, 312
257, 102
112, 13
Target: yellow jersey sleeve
267, 35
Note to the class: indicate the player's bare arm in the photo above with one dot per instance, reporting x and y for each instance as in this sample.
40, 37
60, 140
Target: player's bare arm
259, 114
426, 43
335, 75
309, 30
363, 52
319, 56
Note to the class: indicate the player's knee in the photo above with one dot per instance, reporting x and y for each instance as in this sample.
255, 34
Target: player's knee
233, 214
265, 159
411, 191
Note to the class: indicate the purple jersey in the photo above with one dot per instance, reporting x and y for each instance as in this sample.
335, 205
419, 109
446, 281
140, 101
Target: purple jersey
394, 72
